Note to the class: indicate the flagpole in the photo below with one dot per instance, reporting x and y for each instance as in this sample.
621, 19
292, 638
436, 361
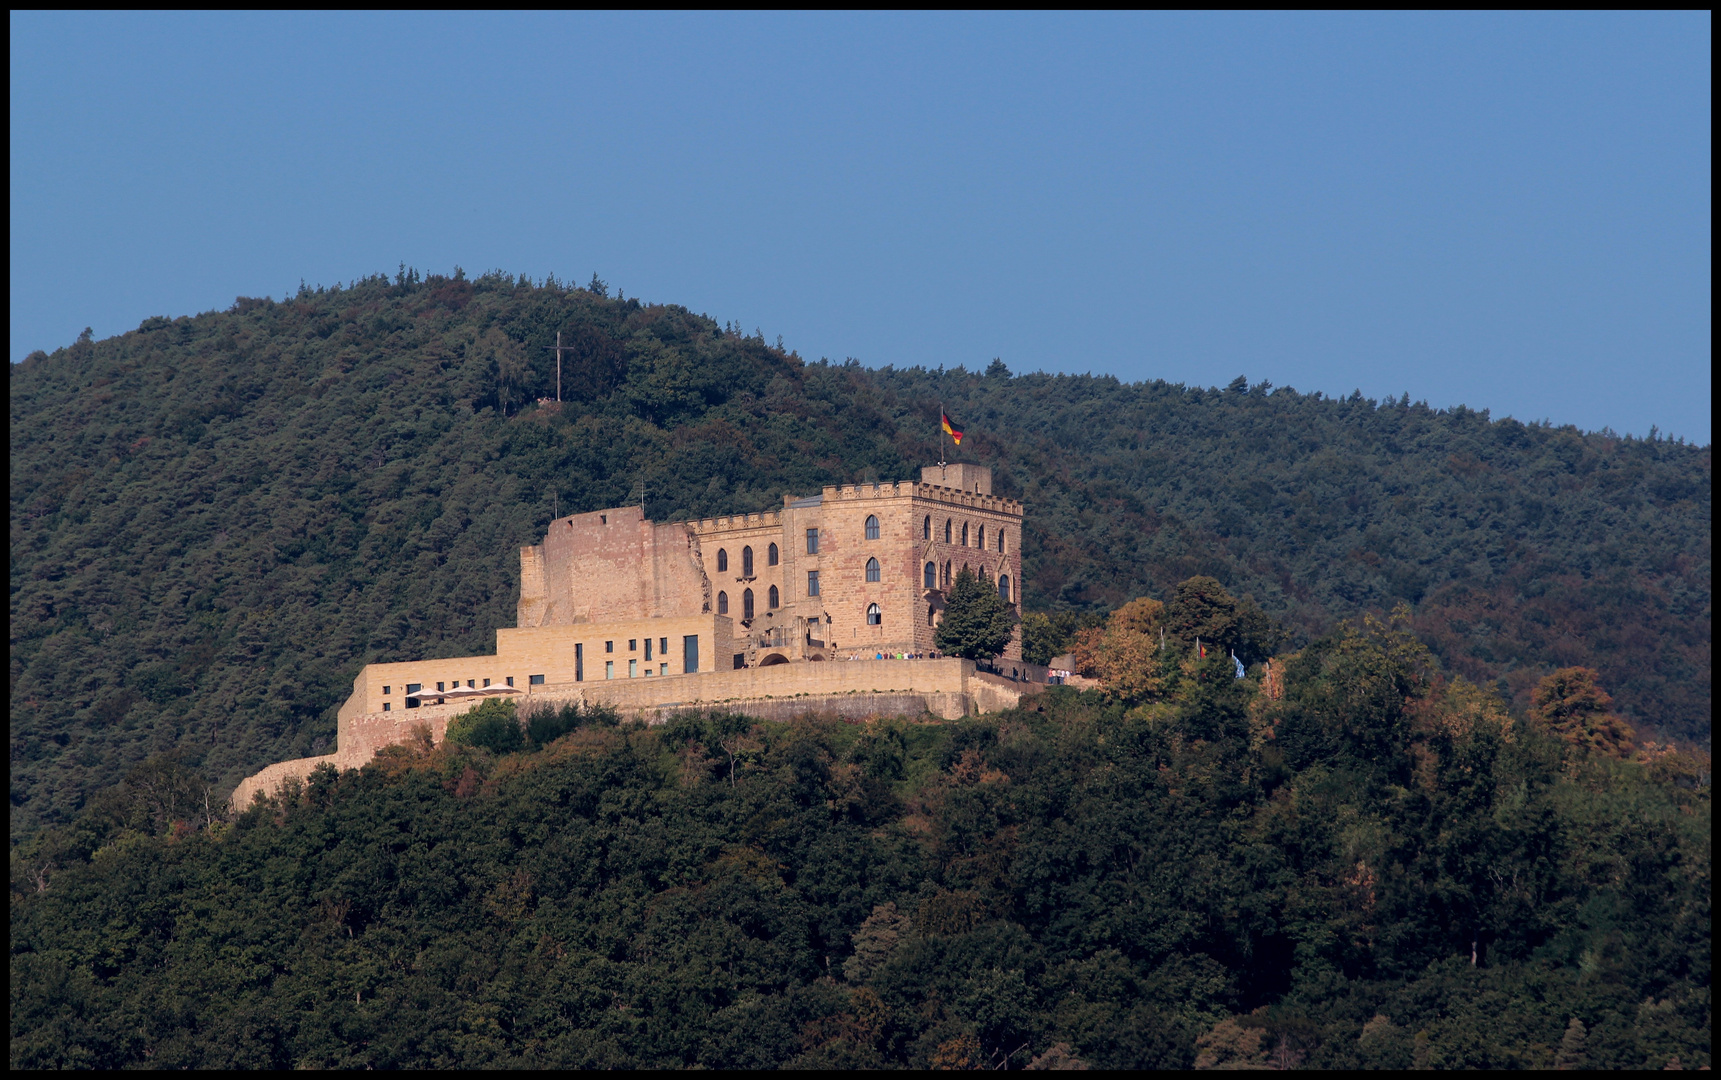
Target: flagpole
941, 461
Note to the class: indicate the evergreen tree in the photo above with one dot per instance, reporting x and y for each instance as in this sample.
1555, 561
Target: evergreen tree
1570, 1055
977, 622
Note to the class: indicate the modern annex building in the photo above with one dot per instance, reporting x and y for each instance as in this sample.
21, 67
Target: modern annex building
833, 598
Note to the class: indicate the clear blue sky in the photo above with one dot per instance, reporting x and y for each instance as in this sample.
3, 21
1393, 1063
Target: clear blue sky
1506, 211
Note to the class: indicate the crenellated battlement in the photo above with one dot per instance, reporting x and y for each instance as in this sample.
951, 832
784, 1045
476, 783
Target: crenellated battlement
769, 519
840, 493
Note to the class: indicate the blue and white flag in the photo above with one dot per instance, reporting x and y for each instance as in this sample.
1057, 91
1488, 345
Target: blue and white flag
1239, 664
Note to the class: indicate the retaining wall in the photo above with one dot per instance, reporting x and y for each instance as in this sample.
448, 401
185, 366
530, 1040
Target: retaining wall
855, 690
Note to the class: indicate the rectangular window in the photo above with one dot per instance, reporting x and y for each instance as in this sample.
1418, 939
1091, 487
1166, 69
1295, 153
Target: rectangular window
812, 583
412, 687
387, 690
663, 669
812, 541
579, 665
439, 686
632, 644
663, 646
385, 706
535, 680
740, 660
609, 646
511, 678
609, 669
648, 672
648, 650
690, 654
633, 669
486, 682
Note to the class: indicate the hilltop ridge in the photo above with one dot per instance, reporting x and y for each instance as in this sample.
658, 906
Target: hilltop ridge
217, 519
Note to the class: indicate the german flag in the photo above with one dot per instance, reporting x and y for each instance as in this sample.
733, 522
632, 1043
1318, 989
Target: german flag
951, 429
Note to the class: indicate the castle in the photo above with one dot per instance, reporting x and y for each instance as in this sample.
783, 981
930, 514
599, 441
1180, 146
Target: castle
829, 605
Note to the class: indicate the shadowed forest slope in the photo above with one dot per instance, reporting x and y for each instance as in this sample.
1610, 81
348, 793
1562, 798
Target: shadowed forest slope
215, 520
1375, 869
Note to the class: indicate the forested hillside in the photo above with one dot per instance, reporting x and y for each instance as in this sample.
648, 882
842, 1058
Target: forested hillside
1359, 864
217, 519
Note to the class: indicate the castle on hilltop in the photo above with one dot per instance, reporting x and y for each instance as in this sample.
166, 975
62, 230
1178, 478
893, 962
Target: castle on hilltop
829, 604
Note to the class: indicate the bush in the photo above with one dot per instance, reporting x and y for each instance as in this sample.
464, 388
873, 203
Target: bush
547, 724
494, 726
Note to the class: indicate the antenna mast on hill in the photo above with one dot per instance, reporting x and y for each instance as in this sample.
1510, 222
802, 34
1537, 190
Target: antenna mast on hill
558, 348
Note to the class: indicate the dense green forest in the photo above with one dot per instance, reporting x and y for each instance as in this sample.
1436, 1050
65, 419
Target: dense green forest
216, 520
1358, 863
1425, 839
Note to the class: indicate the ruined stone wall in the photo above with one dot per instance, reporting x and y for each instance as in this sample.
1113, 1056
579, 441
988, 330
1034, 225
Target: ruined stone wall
358, 738
534, 604
611, 565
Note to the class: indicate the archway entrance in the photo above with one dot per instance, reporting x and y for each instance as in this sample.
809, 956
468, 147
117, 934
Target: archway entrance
773, 660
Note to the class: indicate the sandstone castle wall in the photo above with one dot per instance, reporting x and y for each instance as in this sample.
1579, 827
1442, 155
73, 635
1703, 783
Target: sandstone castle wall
778, 612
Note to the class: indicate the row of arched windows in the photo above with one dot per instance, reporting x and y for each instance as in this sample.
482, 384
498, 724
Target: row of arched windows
771, 559
949, 533
872, 533
874, 614
773, 600
873, 571
930, 577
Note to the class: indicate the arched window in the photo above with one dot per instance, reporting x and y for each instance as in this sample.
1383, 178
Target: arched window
722, 603
926, 528
871, 527
872, 569
931, 575
1000, 541
947, 573
929, 621
747, 562
947, 530
747, 605
980, 540
964, 534
771, 553
722, 560
1004, 587
874, 617
774, 597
